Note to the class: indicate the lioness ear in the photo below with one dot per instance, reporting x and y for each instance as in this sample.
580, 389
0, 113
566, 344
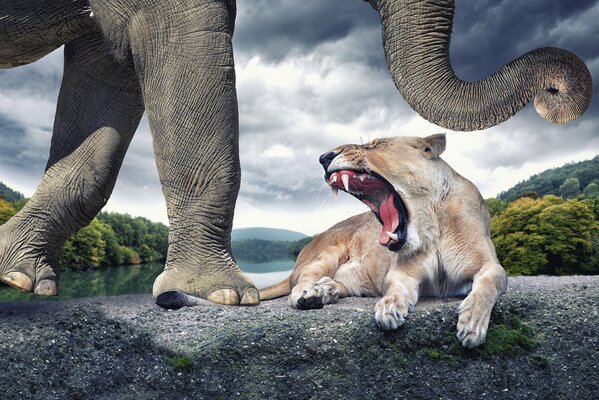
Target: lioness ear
436, 144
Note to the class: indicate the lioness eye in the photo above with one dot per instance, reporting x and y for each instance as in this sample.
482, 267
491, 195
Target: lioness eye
428, 149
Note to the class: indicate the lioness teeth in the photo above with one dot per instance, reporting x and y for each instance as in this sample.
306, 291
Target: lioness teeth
335, 191
334, 178
345, 179
393, 236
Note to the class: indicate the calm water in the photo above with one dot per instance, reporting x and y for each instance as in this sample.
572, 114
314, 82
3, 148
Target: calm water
136, 279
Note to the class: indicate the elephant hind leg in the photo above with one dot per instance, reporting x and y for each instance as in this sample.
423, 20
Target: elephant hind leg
99, 107
31, 29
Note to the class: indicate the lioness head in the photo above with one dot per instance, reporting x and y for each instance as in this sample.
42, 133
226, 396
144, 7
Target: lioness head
398, 178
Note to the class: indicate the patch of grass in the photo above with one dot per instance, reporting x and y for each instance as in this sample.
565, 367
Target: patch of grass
434, 354
181, 363
507, 335
510, 337
540, 361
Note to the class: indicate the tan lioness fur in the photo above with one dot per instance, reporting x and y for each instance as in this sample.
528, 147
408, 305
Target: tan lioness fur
447, 250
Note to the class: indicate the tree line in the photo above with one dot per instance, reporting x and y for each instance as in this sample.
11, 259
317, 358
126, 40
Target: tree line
114, 239
568, 181
547, 235
554, 235
111, 239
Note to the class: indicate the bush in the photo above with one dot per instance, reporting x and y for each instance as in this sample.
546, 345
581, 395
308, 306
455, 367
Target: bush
547, 236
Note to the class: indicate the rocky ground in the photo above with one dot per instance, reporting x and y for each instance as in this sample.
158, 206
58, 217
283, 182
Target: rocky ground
543, 344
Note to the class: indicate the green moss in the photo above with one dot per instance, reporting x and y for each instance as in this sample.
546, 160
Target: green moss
434, 354
540, 361
507, 335
180, 363
509, 338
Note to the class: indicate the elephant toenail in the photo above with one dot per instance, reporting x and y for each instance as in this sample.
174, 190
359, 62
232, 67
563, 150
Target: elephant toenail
224, 296
250, 297
46, 287
18, 280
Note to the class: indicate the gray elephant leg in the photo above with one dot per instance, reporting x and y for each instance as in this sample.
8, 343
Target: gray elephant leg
188, 81
99, 108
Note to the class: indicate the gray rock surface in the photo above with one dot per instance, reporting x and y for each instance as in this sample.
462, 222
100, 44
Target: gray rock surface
125, 347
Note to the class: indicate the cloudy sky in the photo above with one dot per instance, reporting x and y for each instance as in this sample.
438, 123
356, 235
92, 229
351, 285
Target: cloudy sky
311, 75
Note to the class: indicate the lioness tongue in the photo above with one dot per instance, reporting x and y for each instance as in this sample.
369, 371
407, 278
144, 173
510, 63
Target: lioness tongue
390, 217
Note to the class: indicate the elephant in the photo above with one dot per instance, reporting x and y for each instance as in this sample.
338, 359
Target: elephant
174, 60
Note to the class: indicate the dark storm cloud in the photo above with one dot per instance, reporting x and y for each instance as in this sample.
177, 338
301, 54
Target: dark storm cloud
490, 33
273, 29
23, 147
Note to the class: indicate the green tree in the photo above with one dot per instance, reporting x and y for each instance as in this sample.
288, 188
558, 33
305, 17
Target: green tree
495, 206
591, 190
592, 265
114, 254
549, 181
6, 211
85, 249
148, 240
515, 233
531, 194
131, 256
546, 236
148, 254
569, 229
570, 188
8, 194
111, 239
19, 204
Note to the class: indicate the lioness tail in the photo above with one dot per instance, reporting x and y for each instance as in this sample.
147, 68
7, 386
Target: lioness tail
277, 290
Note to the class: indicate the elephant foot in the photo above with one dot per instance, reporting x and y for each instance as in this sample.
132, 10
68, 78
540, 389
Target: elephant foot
178, 287
24, 264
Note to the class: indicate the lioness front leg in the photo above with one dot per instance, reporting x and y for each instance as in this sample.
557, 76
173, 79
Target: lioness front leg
314, 286
316, 295
475, 311
400, 297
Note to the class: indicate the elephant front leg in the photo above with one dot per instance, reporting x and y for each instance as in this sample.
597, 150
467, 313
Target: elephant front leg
185, 63
99, 107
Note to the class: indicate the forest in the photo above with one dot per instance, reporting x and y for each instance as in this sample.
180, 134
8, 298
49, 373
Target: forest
546, 235
548, 224
111, 239
114, 239
567, 181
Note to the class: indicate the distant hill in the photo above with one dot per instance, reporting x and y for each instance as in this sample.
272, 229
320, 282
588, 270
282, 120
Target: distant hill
549, 181
10, 195
284, 235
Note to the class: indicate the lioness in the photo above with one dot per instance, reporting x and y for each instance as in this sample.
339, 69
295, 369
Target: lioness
427, 235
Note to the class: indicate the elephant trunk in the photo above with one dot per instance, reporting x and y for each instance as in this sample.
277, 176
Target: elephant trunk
416, 37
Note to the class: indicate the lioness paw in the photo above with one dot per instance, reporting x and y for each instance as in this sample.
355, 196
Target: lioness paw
323, 292
390, 312
472, 324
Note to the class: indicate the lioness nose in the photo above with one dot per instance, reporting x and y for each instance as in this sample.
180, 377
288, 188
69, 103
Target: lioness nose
326, 159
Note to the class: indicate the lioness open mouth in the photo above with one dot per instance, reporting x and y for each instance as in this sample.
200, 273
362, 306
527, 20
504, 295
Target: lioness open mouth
380, 196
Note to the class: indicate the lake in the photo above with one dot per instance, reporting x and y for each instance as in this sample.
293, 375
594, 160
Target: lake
135, 279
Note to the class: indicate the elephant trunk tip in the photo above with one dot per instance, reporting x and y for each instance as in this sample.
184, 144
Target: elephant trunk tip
567, 90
